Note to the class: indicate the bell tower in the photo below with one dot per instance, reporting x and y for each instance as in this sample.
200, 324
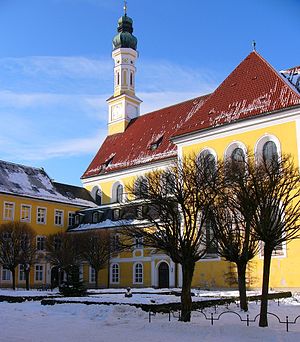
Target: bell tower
124, 105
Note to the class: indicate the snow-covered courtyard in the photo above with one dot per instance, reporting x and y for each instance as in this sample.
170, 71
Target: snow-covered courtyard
31, 321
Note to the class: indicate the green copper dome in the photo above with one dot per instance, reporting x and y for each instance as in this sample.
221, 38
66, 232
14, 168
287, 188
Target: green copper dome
125, 38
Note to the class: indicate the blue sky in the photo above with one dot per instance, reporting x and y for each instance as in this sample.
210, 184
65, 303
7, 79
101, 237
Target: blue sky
56, 69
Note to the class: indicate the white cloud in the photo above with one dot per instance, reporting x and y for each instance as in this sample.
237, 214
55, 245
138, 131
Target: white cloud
42, 121
58, 66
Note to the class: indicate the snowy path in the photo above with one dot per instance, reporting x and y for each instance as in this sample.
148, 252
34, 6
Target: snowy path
31, 322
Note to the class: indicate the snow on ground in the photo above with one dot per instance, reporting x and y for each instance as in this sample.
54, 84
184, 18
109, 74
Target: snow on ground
77, 322
32, 322
24, 293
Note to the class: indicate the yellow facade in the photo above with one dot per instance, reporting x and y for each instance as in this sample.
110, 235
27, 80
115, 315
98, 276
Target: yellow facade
214, 273
41, 229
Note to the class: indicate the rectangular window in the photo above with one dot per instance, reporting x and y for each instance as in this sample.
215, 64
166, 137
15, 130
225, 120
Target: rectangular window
115, 274
59, 217
39, 273
138, 242
25, 213
40, 243
71, 219
9, 211
138, 274
41, 215
92, 275
21, 273
115, 243
211, 249
6, 274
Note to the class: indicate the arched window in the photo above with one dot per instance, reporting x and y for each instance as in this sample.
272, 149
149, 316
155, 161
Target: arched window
270, 153
120, 193
138, 273
118, 78
124, 78
207, 161
140, 187
97, 195
238, 155
115, 274
131, 78
168, 183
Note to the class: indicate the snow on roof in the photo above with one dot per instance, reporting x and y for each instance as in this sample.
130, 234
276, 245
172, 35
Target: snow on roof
253, 88
109, 224
34, 182
133, 147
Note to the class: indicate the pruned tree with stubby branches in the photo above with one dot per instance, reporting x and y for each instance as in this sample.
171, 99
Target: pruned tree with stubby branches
231, 217
63, 252
13, 242
272, 187
95, 248
28, 251
179, 202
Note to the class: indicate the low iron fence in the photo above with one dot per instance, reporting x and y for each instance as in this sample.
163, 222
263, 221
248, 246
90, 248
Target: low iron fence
213, 316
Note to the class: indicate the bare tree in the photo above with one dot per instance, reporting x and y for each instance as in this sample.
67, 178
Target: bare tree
273, 188
10, 247
180, 199
232, 217
28, 250
96, 249
63, 252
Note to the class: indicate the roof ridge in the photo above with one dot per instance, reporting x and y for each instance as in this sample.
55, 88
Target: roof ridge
277, 73
74, 186
23, 165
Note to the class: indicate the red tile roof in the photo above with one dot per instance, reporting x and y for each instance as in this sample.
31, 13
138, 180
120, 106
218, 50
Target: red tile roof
133, 147
253, 88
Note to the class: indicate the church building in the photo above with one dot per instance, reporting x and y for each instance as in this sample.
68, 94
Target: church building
256, 108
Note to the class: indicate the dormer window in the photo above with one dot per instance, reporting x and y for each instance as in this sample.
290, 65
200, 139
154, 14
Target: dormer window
155, 143
109, 160
95, 217
116, 214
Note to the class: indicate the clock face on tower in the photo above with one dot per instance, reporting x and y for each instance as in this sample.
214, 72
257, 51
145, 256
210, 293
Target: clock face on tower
116, 112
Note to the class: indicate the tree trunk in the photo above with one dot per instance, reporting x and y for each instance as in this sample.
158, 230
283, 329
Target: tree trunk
241, 268
186, 299
108, 273
27, 272
13, 272
263, 319
176, 274
96, 278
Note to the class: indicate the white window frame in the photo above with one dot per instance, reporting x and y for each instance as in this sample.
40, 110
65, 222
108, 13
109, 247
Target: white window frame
138, 242
7, 272
61, 217
22, 276
12, 209
73, 219
39, 272
135, 279
114, 188
45, 215
258, 149
232, 146
113, 279
38, 242
274, 255
29, 206
92, 275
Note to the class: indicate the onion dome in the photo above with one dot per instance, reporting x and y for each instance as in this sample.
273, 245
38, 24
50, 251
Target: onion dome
125, 38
